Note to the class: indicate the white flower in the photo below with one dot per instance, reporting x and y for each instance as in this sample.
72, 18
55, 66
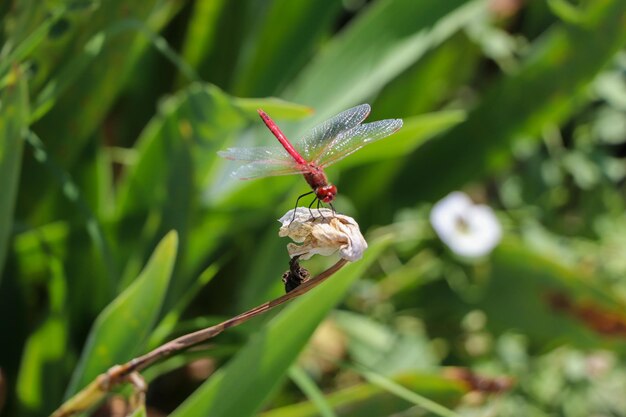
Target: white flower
469, 229
324, 233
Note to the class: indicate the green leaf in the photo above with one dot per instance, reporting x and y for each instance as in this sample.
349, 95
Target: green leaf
101, 283
374, 400
275, 107
175, 158
201, 31
415, 131
13, 124
383, 349
432, 81
42, 367
384, 40
281, 42
45, 351
567, 11
399, 390
214, 37
98, 84
311, 390
201, 116
66, 76
245, 384
260, 275
82, 75
121, 330
31, 41
171, 319
33, 247
542, 92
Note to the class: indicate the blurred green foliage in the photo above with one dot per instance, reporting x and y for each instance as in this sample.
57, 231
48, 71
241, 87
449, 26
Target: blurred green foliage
120, 228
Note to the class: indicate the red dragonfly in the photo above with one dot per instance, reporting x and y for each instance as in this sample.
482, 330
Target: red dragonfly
324, 145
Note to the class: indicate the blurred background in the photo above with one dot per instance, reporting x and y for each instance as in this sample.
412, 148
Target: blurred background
111, 114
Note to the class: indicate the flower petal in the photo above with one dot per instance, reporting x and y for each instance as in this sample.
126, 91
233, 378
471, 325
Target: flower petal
324, 233
469, 230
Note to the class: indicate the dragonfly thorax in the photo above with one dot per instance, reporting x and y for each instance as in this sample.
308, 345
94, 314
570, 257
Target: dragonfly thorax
316, 178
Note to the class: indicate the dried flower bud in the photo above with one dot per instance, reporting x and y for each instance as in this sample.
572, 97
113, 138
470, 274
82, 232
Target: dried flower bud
295, 276
324, 234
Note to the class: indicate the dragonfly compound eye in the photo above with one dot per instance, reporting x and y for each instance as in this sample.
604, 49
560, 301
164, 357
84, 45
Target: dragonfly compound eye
326, 193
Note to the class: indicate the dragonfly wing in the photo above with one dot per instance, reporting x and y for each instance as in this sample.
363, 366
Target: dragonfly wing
261, 161
316, 142
259, 169
256, 153
354, 139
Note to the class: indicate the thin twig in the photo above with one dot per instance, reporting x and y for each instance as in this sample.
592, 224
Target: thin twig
118, 374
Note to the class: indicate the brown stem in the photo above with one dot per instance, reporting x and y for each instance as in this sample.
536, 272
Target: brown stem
120, 373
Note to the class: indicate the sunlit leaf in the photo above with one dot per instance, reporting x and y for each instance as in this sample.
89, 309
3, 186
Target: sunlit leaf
383, 41
370, 400
122, 328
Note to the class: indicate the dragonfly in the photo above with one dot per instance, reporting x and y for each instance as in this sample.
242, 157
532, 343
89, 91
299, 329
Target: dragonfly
310, 154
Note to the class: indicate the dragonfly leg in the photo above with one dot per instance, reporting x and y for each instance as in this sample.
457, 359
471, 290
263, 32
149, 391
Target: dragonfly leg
296, 206
311, 205
333, 207
319, 202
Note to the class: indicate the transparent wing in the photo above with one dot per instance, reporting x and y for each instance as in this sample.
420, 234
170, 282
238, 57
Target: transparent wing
259, 169
261, 161
354, 139
256, 153
315, 143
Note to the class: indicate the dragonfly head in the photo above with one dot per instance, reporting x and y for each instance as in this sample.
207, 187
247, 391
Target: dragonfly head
326, 193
